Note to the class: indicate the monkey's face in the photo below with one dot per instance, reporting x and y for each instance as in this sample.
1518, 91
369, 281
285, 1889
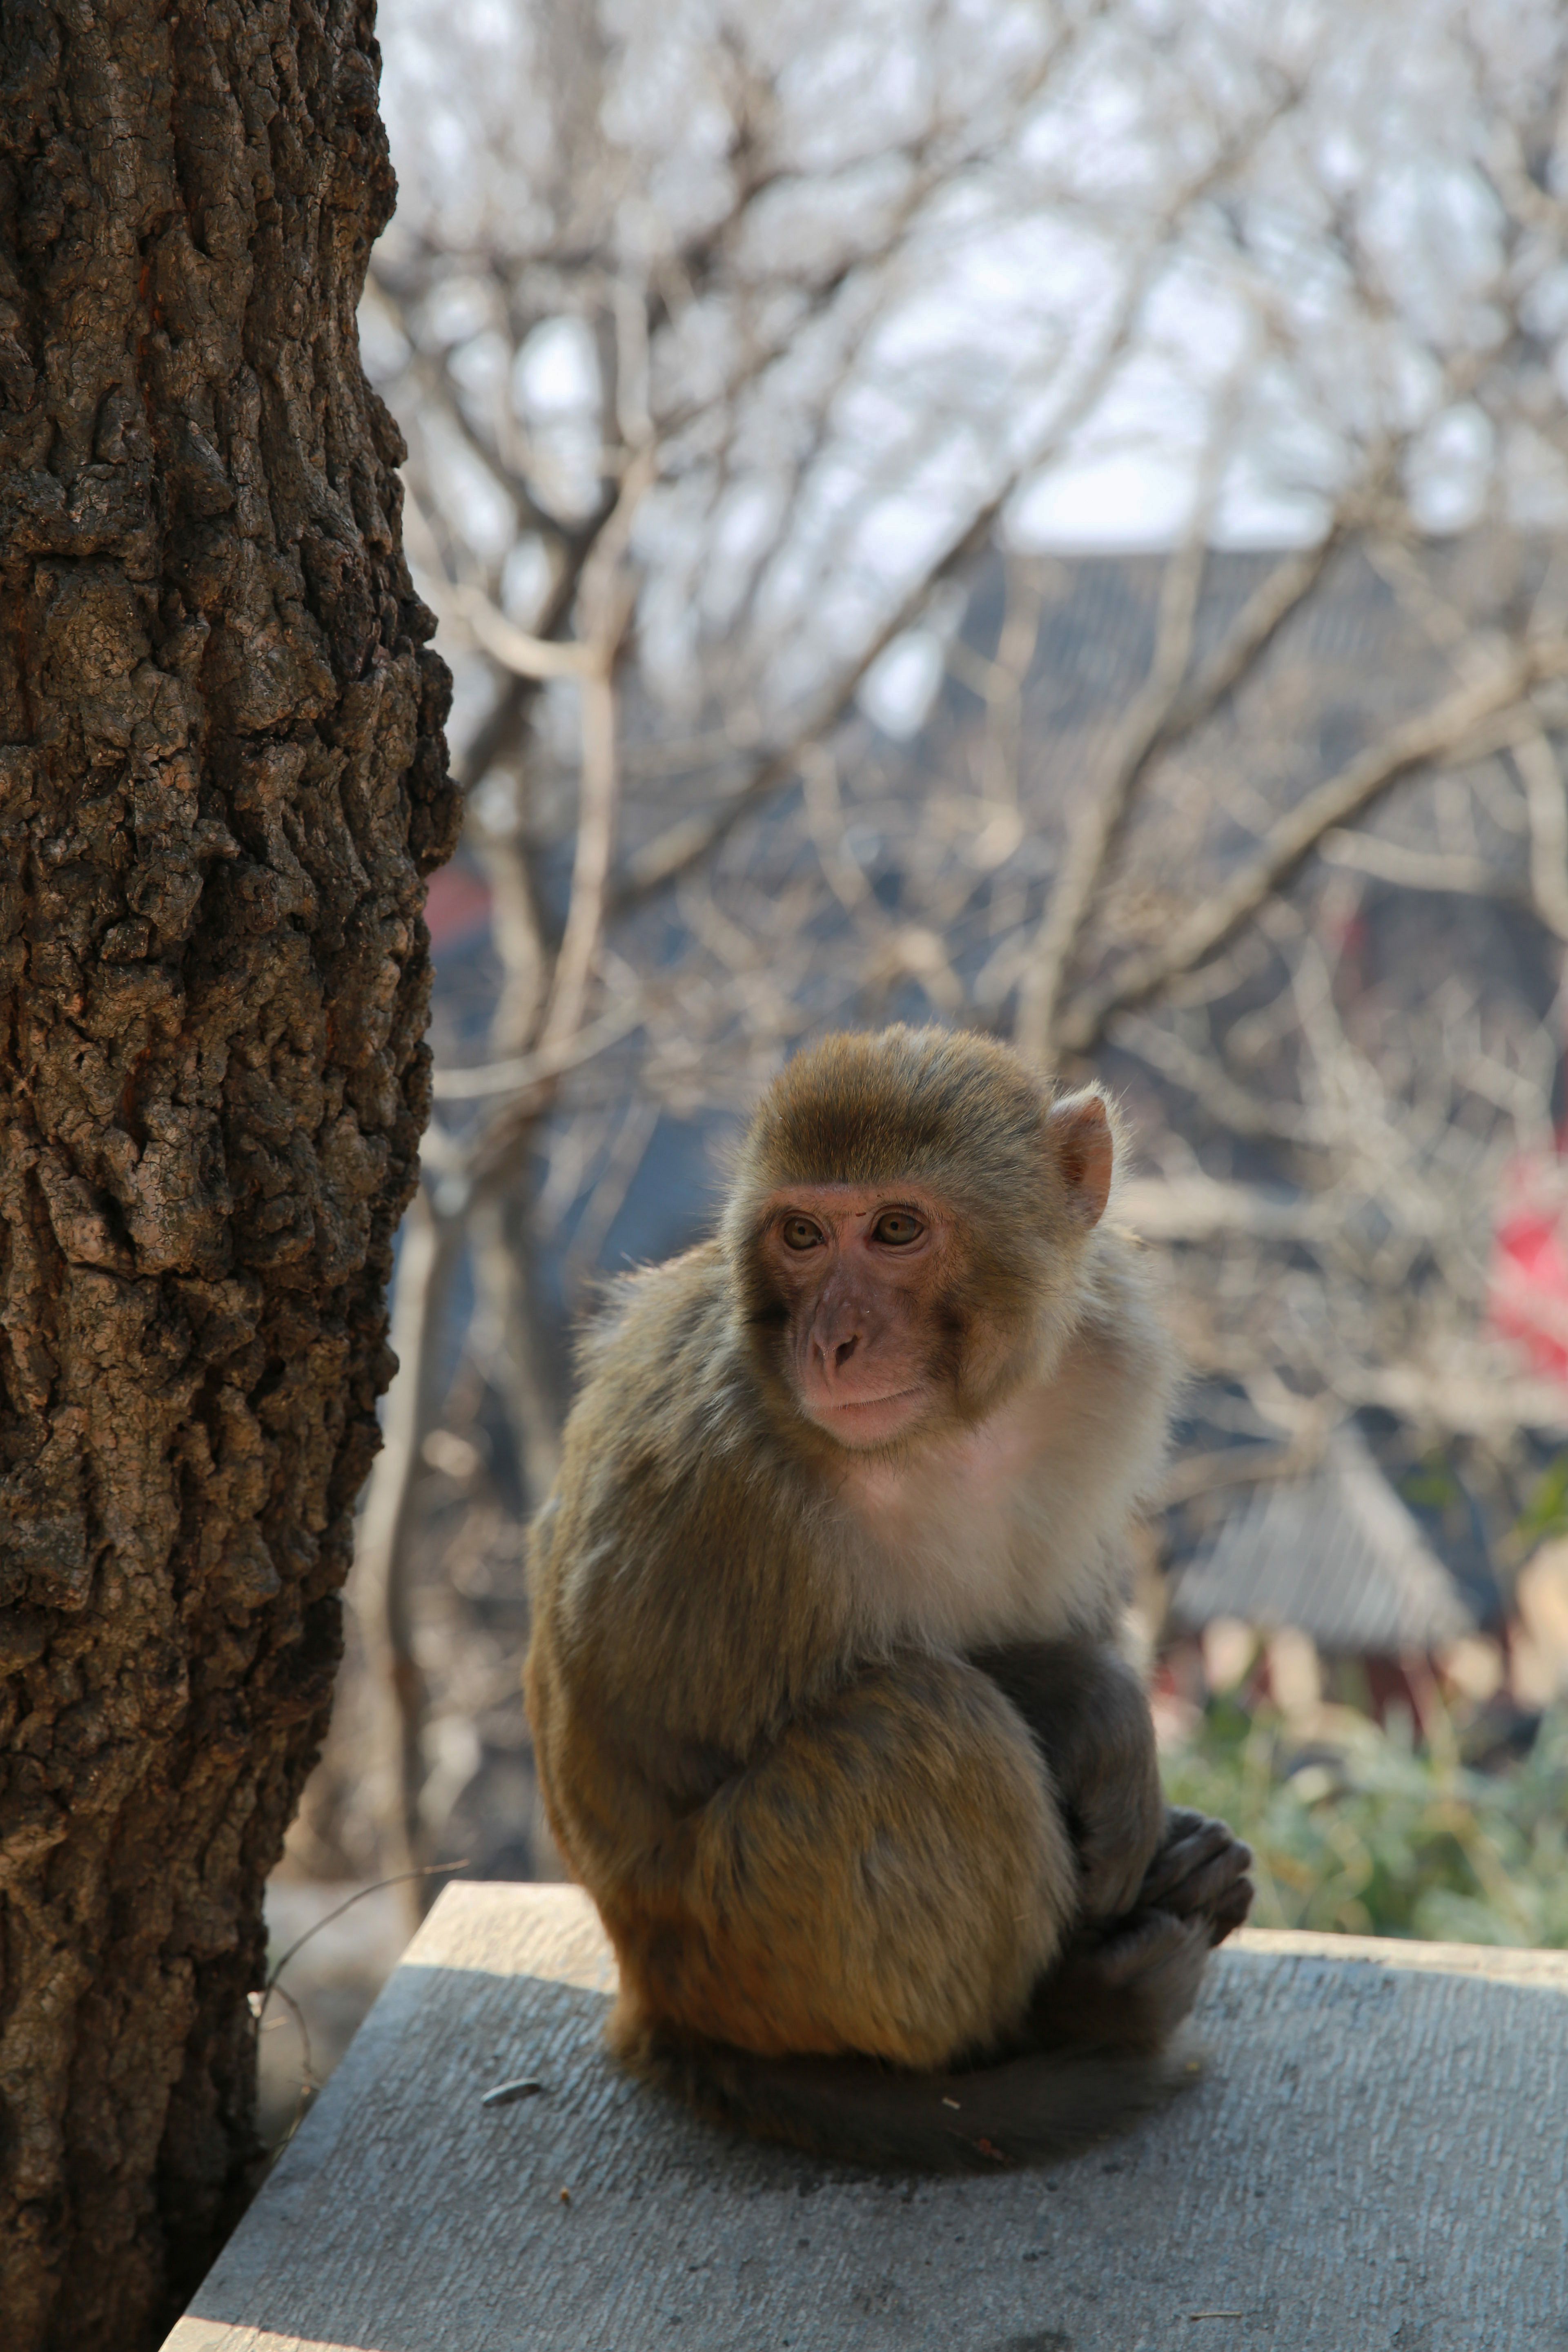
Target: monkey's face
908, 1220
862, 1274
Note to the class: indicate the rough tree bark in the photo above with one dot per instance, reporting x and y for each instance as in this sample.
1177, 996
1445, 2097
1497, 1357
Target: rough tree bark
222, 777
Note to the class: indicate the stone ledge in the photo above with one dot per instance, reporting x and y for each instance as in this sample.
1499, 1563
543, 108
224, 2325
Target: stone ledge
1376, 2157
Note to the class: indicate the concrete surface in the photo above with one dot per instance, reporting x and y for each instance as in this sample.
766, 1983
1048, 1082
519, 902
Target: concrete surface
1377, 2155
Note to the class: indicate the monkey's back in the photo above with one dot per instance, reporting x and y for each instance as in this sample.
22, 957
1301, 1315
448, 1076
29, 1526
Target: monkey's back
678, 1616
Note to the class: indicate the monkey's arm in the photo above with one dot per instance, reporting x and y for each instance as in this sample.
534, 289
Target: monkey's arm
1089, 1717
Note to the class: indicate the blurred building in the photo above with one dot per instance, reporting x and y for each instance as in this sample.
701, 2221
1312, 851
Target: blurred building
1335, 1555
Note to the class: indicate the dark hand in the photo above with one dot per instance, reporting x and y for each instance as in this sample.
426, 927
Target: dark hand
1199, 1873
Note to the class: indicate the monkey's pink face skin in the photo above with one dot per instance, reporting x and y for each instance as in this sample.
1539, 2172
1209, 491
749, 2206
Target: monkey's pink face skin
862, 1270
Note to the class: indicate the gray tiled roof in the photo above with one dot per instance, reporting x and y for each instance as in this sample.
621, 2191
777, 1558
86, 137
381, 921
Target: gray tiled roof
1335, 1554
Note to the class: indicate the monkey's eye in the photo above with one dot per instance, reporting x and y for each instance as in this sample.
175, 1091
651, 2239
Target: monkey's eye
897, 1228
800, 1234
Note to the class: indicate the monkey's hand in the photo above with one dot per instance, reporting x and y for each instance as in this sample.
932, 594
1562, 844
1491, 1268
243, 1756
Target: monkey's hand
1199, 1874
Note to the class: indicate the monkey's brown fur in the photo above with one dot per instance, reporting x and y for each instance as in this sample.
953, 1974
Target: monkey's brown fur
836, 1733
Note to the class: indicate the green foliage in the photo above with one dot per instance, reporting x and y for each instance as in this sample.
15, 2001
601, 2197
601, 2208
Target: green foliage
1366, 1833
1546, 1513
1432, 1487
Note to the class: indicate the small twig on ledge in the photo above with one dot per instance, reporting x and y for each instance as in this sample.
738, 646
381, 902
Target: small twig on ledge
505, 2094
309, 2082
432, 1870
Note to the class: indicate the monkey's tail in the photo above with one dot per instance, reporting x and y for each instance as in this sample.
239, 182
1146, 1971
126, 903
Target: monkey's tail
1031, 2109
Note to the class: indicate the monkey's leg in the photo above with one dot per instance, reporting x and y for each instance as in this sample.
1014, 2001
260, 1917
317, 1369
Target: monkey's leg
1128, 1984
892, 1877
1089, 1716
1161, 1885
1126, 1987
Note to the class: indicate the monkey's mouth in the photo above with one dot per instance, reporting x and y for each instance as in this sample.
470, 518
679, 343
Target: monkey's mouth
870, 1416
864, 1404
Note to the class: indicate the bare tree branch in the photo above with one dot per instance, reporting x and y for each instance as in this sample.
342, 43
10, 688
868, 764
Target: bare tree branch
1447, 732
1536, 762
1106, 801
527, 1073
427, 1262
1167, 710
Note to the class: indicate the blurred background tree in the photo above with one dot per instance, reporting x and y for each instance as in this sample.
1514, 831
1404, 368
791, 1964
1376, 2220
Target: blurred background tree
1049, 517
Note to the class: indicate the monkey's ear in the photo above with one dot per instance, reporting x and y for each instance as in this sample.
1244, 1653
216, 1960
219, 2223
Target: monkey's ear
1080, 1132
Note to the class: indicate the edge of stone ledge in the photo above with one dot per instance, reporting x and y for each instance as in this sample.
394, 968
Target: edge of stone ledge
549, 1930
1501, 1963
543, 1928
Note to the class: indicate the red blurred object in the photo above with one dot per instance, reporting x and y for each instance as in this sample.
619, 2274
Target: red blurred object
1530, 1261
456, 906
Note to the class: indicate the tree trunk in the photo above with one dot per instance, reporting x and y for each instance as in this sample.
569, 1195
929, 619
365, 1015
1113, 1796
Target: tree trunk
222, 777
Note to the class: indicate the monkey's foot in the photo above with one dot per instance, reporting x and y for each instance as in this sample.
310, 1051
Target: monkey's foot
1199, 1874
1127, 1987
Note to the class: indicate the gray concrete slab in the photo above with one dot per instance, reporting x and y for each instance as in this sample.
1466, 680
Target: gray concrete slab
1377, 2155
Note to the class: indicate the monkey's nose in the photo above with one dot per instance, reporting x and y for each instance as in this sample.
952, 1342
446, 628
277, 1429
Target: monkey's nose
832, 1353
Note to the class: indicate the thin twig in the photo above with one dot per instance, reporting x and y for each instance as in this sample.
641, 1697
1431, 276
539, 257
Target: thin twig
1541, 777
1417, 869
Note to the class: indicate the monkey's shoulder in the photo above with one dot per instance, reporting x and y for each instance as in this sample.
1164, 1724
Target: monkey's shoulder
676, 1550
1120, 1309
657, 1365
667, 1435
645, 1318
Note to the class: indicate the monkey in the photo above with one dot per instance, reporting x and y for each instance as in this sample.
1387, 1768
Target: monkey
829, 1711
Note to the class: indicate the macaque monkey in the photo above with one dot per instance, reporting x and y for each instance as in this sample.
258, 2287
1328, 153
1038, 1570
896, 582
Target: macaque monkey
829, 1712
